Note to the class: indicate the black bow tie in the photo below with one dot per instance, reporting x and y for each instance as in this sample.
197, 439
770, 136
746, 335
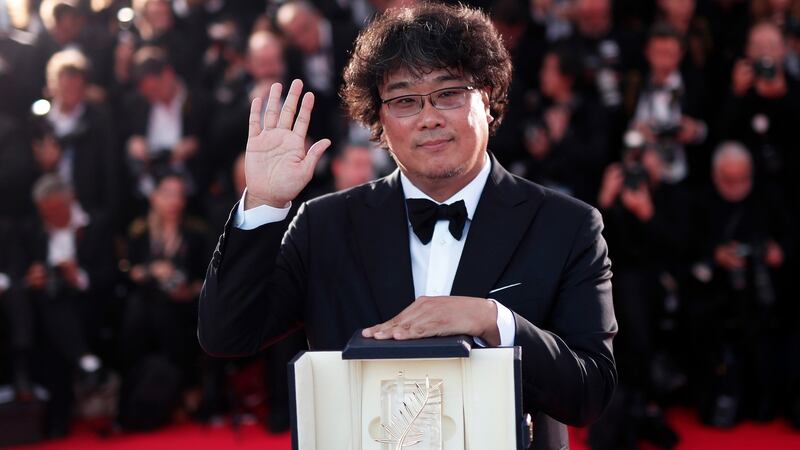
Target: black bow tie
424, 214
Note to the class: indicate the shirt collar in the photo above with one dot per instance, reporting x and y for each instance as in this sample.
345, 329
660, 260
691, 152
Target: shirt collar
470, 193
65, 123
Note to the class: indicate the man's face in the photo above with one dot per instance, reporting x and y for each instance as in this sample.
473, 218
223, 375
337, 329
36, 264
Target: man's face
353, 167
302, 29
677, 9
70, 89
55, 209
593, 17
664, 56
158, 14
733, 179
158, 87
266, 63
552, 81
169, 198
765, 41
436, 147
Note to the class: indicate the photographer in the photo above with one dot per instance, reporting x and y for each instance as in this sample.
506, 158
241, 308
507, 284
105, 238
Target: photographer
68, 255
742, 240
669, 106
166, 124
74, 137
166, 268
565, 134
646, 226
763, 107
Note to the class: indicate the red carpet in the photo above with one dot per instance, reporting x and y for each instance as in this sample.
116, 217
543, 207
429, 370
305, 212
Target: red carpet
776, 435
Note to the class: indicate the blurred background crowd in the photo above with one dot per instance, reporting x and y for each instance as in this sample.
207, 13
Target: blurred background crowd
122, 125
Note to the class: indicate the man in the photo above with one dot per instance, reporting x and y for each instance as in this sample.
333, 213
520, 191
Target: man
567, 133
264, 65
318, 54
166, 124
351, 260
761, 108
78, 142
68, 255
743, 238
669, 106
647, 226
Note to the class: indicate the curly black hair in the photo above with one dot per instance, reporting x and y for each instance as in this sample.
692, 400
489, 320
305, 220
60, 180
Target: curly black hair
422, 38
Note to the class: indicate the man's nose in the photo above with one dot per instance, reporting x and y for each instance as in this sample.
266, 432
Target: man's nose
430, 116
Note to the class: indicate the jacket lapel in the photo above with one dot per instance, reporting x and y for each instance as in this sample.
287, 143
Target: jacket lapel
381, 235
504, 213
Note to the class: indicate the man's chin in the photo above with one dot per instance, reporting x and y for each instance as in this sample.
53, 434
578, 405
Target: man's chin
443, 173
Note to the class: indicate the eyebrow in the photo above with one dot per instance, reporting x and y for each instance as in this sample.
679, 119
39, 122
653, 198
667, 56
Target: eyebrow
406, 84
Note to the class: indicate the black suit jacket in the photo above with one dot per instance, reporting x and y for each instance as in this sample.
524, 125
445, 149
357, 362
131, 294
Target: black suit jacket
344, 264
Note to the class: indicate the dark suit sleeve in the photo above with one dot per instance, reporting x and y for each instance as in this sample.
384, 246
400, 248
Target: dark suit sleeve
568, 369
254, 289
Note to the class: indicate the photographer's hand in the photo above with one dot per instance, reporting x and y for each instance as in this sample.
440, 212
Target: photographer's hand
161, 270
727, 256
70, 271
557, 120
36, 277
277, 166
638, 202
137, 148
742, 77
692, 130
185, 149
613, 178
773, 255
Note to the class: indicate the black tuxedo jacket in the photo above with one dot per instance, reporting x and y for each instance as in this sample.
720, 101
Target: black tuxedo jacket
344, 264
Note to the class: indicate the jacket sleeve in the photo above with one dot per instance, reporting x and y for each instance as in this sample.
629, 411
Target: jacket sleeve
568, 369
254, 288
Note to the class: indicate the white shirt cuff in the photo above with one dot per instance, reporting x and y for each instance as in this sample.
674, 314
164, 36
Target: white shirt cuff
5, 282
260, 215
505, 324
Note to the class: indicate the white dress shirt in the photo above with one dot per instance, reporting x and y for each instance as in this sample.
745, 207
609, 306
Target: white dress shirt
165, 123
61, 245
433, 265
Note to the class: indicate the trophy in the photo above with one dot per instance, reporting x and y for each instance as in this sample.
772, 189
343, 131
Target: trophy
425, 394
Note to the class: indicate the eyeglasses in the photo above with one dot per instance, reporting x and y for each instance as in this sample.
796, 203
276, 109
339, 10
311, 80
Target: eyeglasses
411, 104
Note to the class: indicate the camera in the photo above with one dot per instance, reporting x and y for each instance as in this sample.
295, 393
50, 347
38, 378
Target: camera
764, 68
633, 171
666, 137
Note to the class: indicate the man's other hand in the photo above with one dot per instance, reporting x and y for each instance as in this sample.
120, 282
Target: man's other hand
442, 316
36, 277
277, 166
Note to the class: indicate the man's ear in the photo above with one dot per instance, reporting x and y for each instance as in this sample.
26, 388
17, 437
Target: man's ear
485, 96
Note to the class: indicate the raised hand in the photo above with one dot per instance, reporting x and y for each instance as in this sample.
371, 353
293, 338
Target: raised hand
277, 166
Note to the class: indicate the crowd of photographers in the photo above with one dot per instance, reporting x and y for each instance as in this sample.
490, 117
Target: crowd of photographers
121, 130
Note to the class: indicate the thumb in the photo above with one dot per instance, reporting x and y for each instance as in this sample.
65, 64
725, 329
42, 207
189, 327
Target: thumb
314, 154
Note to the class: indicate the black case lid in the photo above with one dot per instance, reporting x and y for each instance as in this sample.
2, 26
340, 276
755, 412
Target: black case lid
360, 347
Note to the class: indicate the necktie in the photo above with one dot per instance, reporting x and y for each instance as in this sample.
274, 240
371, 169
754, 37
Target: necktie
424, 214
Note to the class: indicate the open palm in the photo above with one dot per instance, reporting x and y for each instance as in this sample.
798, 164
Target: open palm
277, 166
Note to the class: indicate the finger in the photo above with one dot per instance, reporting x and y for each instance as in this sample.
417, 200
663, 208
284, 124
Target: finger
255, 117
273, 106
290, 105
314, 154
304, 116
